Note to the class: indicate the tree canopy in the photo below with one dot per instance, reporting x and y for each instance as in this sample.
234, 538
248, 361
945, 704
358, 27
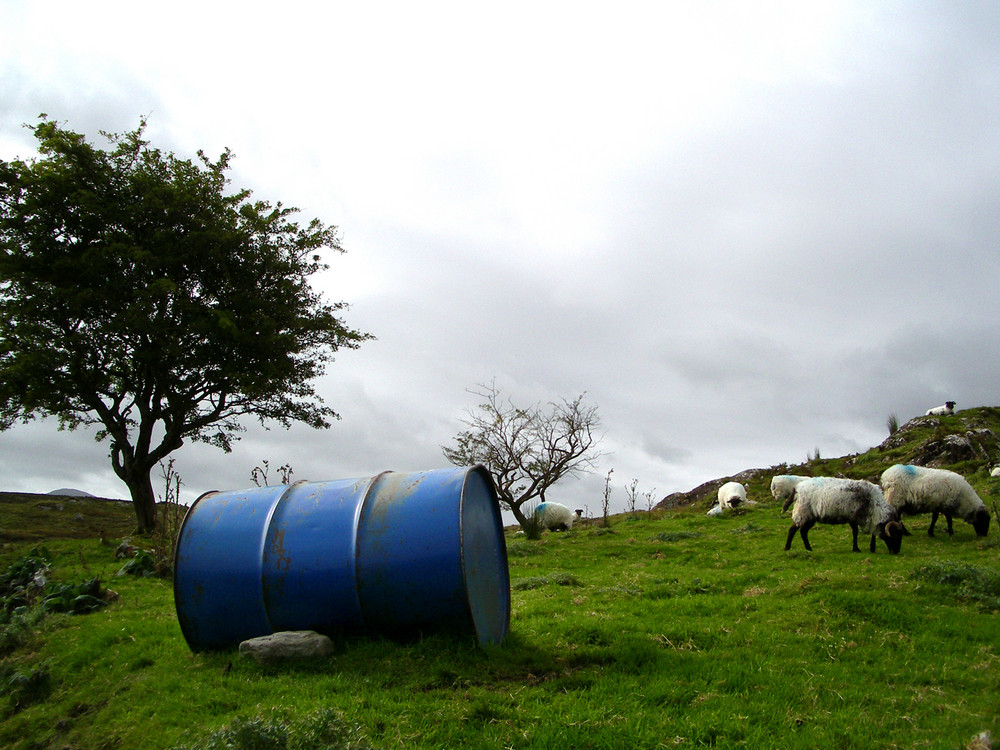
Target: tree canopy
139, 293
527, 450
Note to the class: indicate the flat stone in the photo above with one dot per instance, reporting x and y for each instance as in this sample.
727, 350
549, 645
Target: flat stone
288, 645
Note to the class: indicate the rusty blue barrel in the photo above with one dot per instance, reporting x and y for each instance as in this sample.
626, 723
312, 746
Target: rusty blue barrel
397, 554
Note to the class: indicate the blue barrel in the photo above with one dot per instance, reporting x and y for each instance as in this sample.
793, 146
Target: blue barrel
396, 554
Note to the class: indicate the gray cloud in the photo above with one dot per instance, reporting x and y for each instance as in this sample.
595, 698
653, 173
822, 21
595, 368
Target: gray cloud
764, 254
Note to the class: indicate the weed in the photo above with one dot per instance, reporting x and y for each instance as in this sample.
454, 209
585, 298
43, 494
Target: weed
892, 423
975, 583
25, 689
533, 524
322, 730
171, 514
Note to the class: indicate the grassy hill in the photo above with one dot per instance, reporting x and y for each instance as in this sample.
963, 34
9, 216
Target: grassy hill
668, 629
32, 518
967, 442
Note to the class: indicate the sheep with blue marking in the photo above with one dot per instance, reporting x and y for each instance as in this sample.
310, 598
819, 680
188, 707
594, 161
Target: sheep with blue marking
857, 503
782, 486
555, 516
945, 410
912, 490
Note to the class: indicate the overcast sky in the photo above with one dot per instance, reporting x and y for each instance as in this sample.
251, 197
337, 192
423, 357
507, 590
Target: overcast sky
747, 231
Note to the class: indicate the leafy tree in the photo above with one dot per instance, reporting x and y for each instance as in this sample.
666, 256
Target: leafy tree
526, 450
138, 293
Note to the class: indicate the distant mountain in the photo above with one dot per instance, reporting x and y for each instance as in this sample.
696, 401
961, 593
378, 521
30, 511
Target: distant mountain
69, 492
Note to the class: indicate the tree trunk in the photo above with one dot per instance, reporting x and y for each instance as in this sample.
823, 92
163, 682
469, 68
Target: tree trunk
519, 516
143, 501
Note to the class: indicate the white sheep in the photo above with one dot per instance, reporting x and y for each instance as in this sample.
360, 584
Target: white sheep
995, 472
911, 490
555, 516
858, 503
947, 409
783, 484
731, 494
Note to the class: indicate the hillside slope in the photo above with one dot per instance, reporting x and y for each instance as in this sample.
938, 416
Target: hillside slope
25, 517
966, 442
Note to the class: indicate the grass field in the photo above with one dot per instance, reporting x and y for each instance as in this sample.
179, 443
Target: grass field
669, 629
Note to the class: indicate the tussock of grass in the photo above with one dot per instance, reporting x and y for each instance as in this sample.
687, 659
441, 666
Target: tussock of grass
748, 528
521, 548
323, 730
553, 579
977, 583
675, 536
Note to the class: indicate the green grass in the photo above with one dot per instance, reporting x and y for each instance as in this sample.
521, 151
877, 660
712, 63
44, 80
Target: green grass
680, 630
671, 630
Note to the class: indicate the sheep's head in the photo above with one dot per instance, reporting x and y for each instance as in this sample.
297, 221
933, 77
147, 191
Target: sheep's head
981, 522
892, 535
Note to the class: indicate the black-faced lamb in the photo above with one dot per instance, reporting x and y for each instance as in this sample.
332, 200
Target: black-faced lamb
911, 490
945, 410
857, 503
555, 516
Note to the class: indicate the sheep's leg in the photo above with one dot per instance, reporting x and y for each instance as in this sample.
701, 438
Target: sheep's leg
934, 517
791, 536
805, 533
871, 547
947, 517
854, 537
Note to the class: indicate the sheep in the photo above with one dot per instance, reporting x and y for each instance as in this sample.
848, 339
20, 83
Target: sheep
858, 503
555, 516
731, 494
942, 411
995, 471
917, 489
783, 484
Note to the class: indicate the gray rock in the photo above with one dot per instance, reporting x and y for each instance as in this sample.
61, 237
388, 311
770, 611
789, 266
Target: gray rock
287, 645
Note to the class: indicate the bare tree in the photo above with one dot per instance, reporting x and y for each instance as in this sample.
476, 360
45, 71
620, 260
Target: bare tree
526, 450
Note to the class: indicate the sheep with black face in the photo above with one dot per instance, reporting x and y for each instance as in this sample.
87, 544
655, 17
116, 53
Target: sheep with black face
910, 490
854, 502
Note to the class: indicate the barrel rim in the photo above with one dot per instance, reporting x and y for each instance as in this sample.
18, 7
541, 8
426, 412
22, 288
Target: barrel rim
176, 554
483, 472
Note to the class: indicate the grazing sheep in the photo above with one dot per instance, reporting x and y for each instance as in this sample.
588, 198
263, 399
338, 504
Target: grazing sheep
911, 490
942, 411
555, 516
783, 484
858, 503
731, 494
